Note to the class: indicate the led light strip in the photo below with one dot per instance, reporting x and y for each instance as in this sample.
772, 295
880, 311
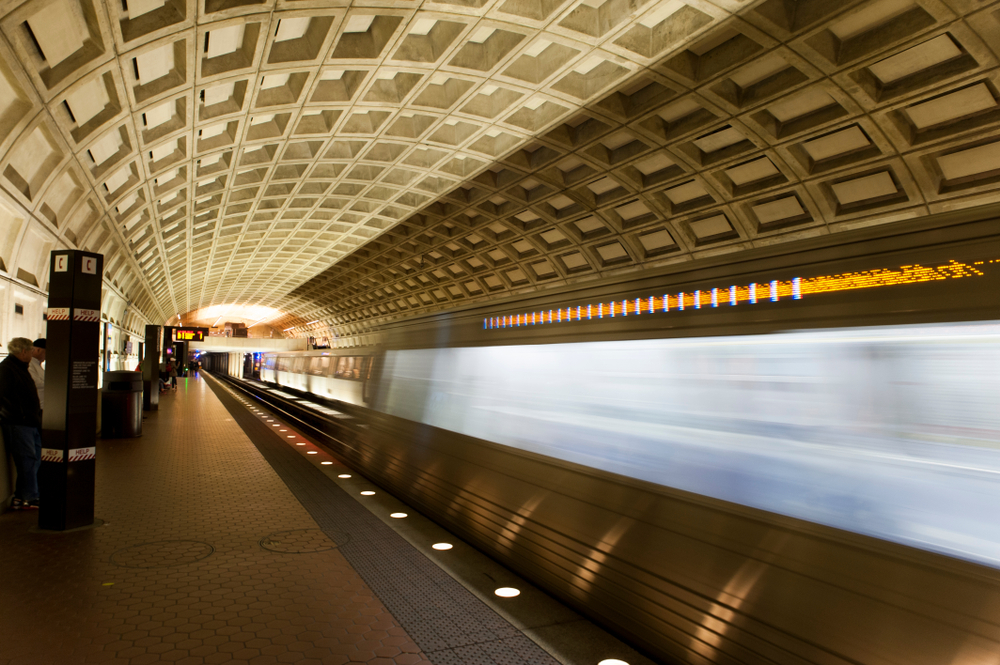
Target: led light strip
755, 292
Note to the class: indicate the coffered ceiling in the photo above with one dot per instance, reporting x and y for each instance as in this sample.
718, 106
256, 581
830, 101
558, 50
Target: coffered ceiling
348, 162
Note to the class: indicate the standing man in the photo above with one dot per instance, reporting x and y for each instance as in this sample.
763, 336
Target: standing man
36, 369
20, 419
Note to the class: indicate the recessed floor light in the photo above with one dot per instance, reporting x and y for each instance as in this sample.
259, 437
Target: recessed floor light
326, 462
398, 516
367, 493
442, 546
612, 661
291, 436
282, 430
344, 475
275, 425
507, 592
312, 452
300, 444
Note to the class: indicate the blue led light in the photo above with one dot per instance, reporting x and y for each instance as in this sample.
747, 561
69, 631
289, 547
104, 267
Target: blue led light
652, 306
578, 312
600, 310
797, 289
666, 303
715, 297
589, 317
732, 294
774, 290
753, 292
697, 299
680, 301
624, 307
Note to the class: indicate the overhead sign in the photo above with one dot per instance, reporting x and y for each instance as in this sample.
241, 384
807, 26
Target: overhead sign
190, 334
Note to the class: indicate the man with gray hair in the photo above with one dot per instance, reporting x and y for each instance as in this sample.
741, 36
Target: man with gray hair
20, 421
36, 370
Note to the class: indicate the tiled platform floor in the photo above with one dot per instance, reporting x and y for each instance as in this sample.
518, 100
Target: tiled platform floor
189, 566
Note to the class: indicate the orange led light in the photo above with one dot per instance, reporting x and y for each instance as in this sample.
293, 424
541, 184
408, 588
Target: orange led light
773, 291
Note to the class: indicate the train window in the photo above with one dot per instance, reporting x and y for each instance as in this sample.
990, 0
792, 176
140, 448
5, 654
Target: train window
316, 366
299, 365
282, 363
351, 368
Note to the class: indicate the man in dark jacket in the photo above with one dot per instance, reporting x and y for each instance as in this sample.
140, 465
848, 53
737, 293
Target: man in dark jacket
20, 421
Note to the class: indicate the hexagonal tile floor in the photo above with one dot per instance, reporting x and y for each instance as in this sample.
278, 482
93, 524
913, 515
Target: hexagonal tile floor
178, 573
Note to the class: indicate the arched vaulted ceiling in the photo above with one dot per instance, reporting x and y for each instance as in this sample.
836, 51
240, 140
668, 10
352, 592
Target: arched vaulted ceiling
353, 161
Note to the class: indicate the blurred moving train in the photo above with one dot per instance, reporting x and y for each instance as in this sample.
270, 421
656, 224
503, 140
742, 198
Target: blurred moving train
811, 475
325, 374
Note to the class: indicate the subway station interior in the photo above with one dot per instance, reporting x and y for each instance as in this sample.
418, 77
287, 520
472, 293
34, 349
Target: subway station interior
501, 332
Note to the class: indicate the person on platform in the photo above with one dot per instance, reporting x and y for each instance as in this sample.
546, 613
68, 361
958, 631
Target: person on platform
20, 420
172, 373
36, 370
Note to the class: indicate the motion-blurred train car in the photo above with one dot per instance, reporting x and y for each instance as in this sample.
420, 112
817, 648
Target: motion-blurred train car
791, 456
327, 374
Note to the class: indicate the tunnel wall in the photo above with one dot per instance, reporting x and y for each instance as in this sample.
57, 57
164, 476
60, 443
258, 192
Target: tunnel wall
25, 245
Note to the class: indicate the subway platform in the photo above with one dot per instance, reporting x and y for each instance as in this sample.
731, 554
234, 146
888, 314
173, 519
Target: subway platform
226, 536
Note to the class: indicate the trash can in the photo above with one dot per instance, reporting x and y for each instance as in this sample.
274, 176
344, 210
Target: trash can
121, 405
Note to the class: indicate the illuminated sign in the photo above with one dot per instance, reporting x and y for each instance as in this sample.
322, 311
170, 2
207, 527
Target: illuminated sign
772, 291
190, 334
